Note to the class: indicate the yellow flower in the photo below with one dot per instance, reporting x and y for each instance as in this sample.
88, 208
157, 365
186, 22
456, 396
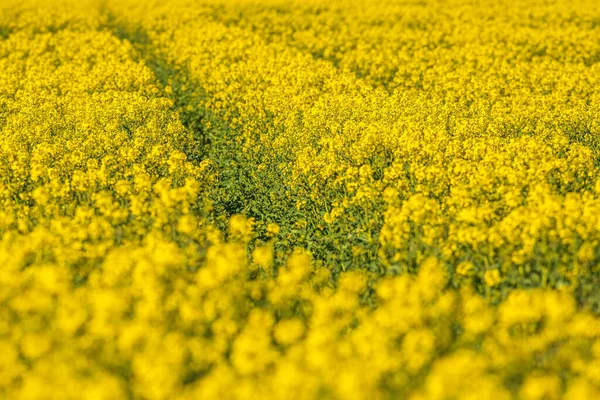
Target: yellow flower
263, 256
273, 229
288, 331
240, 227
492, 277
464, 268
539, 387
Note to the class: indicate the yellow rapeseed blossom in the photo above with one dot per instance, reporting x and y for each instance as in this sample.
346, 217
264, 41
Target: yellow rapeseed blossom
492, 277
316, 199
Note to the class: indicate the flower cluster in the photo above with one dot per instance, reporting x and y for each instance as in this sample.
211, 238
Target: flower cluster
300, 199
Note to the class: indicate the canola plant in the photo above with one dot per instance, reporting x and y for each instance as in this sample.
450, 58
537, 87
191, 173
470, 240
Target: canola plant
305, 199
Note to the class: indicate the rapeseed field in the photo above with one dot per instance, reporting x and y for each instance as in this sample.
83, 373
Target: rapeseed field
300, 199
